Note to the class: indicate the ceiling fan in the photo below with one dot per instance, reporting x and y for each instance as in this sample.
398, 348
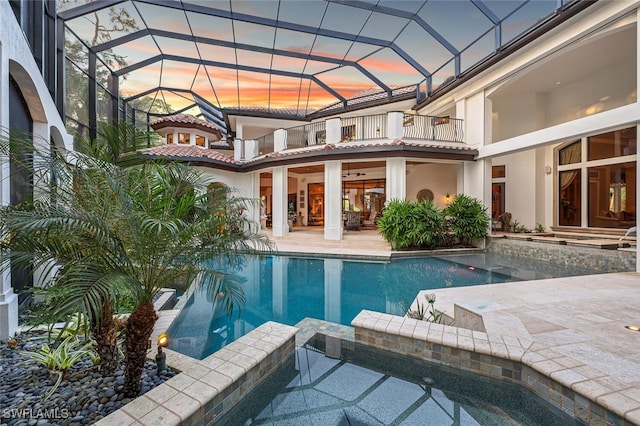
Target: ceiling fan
353, 174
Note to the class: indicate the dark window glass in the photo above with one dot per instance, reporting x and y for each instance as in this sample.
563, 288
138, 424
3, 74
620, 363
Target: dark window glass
612, 196
612, 144
498, 172
569, 206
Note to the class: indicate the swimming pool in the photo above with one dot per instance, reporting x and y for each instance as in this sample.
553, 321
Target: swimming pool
372, 387
289, 289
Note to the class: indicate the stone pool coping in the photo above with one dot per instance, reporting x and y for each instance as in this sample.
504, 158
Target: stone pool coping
206, 389
568, 384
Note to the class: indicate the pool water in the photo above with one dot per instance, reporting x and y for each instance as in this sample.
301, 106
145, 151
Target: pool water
374, 387
289, 289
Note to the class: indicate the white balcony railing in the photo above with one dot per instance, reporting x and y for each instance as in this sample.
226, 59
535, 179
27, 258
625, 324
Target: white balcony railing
392, 125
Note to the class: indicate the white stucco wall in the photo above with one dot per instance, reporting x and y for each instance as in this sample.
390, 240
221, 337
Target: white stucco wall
612, 87
522, 183
439, 178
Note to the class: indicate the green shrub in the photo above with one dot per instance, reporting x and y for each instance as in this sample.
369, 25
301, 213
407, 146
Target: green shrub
396, 222
412, 224
421, 224
430, 225
467, 218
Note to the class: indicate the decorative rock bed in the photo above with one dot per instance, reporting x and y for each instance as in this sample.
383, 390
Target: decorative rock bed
83, 397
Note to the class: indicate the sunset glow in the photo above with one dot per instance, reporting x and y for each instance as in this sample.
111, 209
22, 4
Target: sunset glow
290, 54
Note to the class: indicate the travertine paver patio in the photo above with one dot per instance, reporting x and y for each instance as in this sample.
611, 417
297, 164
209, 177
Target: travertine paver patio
574, 328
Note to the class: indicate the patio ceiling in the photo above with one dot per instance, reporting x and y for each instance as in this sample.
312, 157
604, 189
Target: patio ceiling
292, 56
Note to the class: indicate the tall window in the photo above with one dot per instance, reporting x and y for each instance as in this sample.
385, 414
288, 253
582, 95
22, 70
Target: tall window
570, 199
606, 165
498, 176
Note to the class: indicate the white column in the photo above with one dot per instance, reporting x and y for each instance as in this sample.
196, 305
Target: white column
192, 138
41, 142
254, 209
477, 181
334, 130
279, 286
8, 299
238, 149
395, 129
477, 131
280, 192
333, 200
175, 137
250, 149
332, 289
279, 140
396, 173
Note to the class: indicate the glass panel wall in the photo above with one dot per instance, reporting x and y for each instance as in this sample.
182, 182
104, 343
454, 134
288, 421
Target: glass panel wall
366, 197
316, 204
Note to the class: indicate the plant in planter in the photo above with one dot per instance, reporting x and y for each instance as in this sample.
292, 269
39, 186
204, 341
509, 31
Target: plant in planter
396, 223
58, 359
291, 218
428, 229
467, 219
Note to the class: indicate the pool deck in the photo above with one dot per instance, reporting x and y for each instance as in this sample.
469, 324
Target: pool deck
578, 323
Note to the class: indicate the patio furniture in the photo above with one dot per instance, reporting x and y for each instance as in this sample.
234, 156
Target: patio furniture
353, 221
372, 218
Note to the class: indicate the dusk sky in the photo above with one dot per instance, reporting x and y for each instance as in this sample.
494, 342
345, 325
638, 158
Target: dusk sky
283, 45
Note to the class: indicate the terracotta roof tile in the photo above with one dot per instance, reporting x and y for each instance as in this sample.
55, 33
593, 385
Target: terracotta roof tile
172, 150
355, 145
185, 120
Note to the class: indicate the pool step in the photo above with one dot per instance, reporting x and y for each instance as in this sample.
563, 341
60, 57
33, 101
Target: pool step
364, 240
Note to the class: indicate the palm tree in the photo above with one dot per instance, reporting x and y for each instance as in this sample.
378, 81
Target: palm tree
115, 229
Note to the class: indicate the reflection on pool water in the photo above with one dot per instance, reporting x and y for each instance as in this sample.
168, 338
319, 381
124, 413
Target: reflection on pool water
288, 289
373, 387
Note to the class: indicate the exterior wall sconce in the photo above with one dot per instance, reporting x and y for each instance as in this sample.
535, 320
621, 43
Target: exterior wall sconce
378, 132
632, 327
447, 197
161, 357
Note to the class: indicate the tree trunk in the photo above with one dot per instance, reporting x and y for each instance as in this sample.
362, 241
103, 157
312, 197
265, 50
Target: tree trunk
139, 328
104, 333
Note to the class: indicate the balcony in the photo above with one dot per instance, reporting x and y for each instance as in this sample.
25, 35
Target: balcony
383, 127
